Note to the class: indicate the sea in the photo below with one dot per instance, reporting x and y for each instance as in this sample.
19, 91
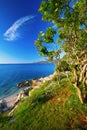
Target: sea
12, 74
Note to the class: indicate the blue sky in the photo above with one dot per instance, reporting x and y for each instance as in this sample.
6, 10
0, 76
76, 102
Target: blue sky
20, 23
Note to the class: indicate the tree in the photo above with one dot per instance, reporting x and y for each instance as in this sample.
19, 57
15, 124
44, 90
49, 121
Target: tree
70, 19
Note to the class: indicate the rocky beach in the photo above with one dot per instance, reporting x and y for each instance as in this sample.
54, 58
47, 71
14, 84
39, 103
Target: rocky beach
8, 103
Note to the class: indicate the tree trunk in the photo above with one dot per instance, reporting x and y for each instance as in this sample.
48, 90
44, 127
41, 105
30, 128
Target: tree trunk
79, 94
83, 73
82, 79
76, 86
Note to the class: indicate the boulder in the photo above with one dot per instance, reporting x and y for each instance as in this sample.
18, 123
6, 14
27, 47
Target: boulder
24, 84
23, 94
34, 82
5, 109
3, 105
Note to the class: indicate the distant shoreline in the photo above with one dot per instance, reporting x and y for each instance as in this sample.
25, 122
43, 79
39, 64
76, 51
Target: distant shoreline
37, 62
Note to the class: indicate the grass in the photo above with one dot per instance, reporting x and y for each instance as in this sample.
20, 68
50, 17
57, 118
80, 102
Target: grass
50, 107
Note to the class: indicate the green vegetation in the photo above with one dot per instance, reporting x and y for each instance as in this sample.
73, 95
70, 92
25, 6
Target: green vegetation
60, 103
68, 35
50, 107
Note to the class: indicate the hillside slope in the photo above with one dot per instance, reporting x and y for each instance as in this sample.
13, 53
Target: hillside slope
50, 107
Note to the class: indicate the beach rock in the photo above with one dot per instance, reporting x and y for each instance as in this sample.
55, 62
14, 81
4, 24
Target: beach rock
41, 79
3, 105
5, 109
24, 84
34, 82
23, 94
19, 97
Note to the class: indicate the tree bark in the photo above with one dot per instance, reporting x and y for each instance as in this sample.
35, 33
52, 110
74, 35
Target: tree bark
76, 86
82, 75
79, 94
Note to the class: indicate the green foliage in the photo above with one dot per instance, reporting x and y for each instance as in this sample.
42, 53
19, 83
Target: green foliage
55, 105
4, 119
45, 38
26, 91
69, 36
38, 43
69, 18
49, 107
62, 66
48, 36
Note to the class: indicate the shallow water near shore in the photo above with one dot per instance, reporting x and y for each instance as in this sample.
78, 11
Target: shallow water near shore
12, 74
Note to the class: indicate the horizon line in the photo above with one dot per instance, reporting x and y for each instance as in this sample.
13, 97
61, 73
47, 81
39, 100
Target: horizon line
28, 62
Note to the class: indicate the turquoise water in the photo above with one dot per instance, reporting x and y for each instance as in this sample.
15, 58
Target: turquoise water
11, 74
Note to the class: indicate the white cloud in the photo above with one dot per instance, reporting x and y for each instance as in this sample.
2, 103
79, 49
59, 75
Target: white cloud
12, 33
